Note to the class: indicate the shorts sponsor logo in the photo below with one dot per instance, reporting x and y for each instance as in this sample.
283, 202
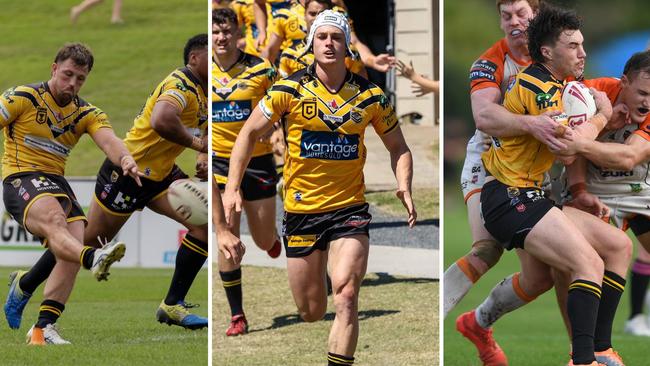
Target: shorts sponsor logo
521, 207
301, 241
231, 111
513, 192
329, 145
108, 187
43, 184
357, 221
26, 196
123, 201
114, 176
477, 169
16, 183
103, 195
22, 191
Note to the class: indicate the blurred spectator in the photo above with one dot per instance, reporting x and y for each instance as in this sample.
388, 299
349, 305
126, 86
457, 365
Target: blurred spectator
419, 84
116, 18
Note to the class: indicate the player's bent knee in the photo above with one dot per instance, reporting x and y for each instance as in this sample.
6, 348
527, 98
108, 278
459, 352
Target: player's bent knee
55, 219
488, 251
314, 314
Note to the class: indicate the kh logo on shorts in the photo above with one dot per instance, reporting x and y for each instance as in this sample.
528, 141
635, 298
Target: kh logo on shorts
123, 201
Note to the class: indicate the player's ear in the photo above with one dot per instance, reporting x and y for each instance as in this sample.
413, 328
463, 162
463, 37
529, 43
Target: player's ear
546, 52
54, 67
624, 81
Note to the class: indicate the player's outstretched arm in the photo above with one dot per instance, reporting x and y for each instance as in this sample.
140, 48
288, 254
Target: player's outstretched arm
166, 121
117, 153
495, 120
229, 244
259, 11
580, 197
272, 49
612, 155
402, 163
256, 125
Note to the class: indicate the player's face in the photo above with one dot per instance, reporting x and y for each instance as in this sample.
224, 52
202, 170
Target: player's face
312, 11
224, 38
567, 56
514, 19
329, 45
636, 95
67, 79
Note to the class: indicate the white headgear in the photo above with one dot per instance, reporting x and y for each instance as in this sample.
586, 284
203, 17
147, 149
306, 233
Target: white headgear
333, 18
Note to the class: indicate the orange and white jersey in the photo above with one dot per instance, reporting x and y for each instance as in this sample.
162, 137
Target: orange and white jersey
495, 68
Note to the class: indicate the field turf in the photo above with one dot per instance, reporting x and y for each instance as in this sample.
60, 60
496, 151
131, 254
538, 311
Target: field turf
112, 323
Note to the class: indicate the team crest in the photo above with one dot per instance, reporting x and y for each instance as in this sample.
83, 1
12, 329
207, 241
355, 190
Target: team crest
383, 101
16, 183
41, 115
242, 85
309, 109
356, 115
114, 176
293, 26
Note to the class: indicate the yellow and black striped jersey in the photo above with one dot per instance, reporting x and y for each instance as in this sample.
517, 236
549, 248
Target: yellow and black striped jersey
521, 161
324, 133
155, 156
235, 93
39, 134
294, 59
246, 18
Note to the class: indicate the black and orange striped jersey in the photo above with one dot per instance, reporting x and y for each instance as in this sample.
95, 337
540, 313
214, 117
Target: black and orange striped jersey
294, 59
39, 134
246, 18
521, 161
235, 93
155, 155
324, 133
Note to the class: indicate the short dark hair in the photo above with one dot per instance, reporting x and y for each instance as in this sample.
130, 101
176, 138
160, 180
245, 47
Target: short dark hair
78, 52
638, 63
197, 42
224, 15
547, 26
328, 3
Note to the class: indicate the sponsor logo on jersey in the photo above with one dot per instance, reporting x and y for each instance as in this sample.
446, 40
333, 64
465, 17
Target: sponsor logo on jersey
332, 118
636, 187
44, 144
231, 111
483, 69
329, 145
4, 113
543, 100
332, 104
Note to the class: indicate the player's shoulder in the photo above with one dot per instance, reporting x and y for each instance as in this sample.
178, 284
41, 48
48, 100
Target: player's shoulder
283, 13
493, 56
183, 79
252, 61
364, 85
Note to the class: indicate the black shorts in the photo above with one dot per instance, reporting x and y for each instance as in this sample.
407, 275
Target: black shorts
510, 213
303, 233
20, 191
639, 224
259, 178
120, 195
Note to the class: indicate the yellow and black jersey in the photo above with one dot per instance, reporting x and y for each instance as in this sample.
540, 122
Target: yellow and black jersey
294, 59
39, 134
521, 161
246, 18
155, 156
235, 93
289, 25
324, 133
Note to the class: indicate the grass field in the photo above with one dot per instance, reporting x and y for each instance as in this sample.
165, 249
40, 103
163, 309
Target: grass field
399, 323
112, 323
130, 59
534, 332
425, 199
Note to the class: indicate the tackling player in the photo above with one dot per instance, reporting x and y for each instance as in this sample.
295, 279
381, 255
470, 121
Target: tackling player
174, 117
42, 123
324, 111
239, 82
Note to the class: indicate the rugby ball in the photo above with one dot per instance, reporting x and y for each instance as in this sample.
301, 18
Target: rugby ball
189, 200
579, 104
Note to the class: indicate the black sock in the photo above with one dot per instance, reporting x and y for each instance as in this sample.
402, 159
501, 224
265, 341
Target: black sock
337, 360
613, 286
87, 257
582, 307
638, 286
232, 284
36, 275
49, 313
189, 259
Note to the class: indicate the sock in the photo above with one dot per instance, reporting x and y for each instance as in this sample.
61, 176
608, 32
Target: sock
582, 307
49, 313
190, 258
456, 285
638, 286
613, 286
36, 275
336, 360
504, 298
232, 284
87, 256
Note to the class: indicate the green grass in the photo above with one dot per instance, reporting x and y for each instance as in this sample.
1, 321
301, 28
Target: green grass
130, 59
399, 323
425, 199
113, 323
534, 332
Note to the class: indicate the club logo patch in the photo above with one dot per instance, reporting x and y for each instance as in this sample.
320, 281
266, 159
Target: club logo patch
309, 109
41, 115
